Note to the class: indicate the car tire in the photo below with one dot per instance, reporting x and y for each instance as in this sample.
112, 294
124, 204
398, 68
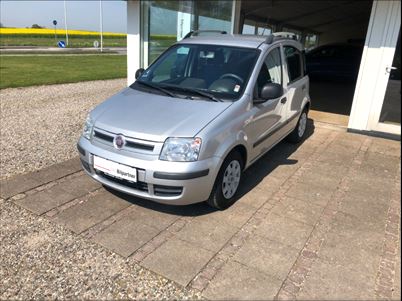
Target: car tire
299, 131
227, 182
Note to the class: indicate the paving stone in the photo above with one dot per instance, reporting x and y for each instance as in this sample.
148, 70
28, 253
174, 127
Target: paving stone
126, 235
21, 183
207, 233
311, 193
155, 218
235, 216
301, 211
397, 281
382, 160
59, 194
178, 260
97, 208
343, 222
364, 208
16, 185
284, 230
324, 180
355, 249
283, 171
337, 172
386, 147
337, 282
336, 157
236, 281
267, 256
46, 200
258, 196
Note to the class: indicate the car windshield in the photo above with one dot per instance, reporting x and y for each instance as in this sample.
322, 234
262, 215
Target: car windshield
200, 71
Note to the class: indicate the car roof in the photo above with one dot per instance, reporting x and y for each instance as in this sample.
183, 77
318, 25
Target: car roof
248, 41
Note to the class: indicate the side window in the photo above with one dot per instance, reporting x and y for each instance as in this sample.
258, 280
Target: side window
294, 62
171, 67
271, 70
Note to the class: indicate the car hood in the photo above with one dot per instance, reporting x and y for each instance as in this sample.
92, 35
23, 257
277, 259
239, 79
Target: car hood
154, 117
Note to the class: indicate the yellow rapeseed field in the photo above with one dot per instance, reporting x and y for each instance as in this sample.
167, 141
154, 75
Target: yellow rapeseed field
45, 31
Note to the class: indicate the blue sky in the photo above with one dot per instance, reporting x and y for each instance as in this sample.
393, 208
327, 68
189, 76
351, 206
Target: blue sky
80, 14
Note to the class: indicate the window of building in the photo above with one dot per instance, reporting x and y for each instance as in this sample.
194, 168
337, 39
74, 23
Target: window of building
310, 41
294, 63
296, 32
264, 30
248, 27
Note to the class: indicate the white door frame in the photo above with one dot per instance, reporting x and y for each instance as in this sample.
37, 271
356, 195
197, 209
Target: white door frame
378, 53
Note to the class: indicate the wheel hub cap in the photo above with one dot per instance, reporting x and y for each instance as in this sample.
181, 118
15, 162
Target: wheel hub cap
302, 124
231, 179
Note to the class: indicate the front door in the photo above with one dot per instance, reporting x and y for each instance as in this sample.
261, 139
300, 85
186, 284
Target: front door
268, 118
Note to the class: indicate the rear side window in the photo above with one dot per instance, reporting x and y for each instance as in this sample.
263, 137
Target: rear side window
294, 63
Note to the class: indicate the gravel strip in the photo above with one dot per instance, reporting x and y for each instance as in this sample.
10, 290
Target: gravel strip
40, 125
42, 260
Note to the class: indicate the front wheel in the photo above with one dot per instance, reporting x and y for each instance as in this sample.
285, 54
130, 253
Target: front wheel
298, 133
227, 182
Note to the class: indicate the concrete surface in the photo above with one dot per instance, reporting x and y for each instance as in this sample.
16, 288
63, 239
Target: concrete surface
319, 220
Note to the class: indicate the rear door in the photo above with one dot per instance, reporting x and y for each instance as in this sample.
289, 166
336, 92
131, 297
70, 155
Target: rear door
296, 82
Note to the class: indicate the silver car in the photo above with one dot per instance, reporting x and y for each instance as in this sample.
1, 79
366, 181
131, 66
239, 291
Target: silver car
208, 108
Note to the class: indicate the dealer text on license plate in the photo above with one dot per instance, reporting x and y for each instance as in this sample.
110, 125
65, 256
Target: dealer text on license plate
115, 169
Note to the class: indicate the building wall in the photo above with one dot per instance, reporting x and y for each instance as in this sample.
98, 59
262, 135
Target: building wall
133, 39
343, 34
378, 53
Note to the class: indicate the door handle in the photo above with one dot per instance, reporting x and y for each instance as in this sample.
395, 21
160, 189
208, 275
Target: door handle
283, 100
304, 87
389, 69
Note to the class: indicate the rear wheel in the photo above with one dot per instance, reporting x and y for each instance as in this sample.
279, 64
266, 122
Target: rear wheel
298, 133
227, 182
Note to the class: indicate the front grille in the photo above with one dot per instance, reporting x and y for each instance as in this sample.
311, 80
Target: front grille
130, 145
161, 190
139, 146
142, 186
102, 136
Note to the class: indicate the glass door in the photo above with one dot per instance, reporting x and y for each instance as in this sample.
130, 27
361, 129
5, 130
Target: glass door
391, 107
386, 116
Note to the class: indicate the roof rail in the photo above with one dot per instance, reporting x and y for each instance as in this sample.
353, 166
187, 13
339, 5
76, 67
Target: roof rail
194, 33
275, 36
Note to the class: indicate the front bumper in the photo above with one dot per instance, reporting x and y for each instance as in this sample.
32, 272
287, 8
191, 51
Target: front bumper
175, 183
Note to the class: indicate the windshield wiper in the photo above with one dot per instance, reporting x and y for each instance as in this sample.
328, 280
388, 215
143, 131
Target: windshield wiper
156, 88
196, 91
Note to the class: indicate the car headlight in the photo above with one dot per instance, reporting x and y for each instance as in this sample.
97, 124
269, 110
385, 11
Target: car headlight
87, 131
181, 149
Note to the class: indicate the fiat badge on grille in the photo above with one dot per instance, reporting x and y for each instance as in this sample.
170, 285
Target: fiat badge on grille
119, 141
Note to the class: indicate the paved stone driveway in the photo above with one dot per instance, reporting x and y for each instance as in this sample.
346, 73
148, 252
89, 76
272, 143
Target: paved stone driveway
320, 220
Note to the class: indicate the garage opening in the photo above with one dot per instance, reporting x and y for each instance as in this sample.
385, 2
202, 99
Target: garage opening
333, 33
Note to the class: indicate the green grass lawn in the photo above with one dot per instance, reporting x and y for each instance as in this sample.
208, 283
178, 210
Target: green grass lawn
30, 70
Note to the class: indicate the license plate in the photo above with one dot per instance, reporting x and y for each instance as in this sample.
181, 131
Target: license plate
115, 169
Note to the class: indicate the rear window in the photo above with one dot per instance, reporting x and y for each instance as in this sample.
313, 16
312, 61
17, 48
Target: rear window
294, 62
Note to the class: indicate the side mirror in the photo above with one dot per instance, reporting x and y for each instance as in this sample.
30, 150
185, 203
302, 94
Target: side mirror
139, 72
271, 91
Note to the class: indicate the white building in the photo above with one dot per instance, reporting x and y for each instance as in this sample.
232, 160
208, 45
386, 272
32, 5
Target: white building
371, 104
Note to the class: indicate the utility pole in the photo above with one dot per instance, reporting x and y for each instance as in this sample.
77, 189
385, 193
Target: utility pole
65, 21
55, 32
101, 25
